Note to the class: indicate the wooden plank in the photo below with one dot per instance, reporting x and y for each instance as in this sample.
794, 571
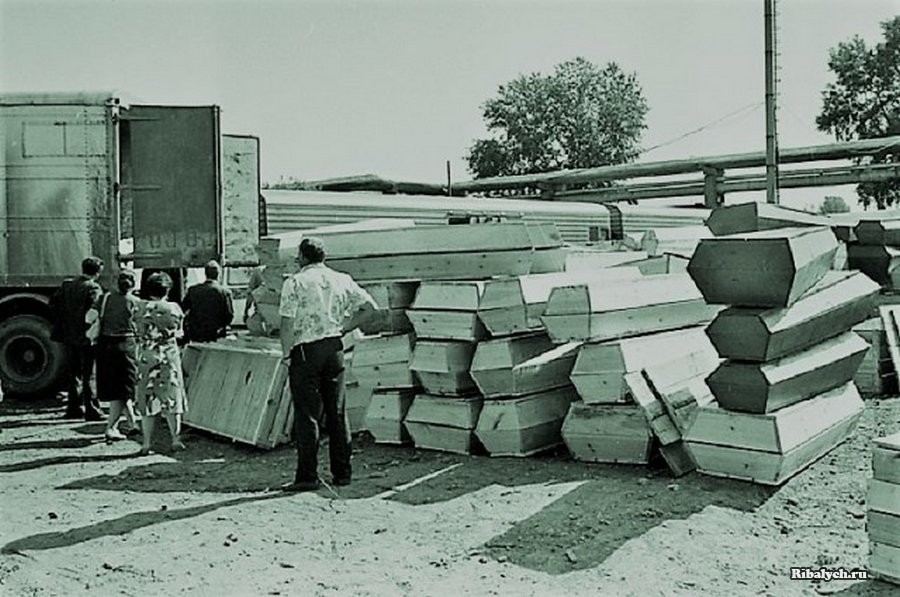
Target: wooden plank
752, 217
877, 262
884, 562
385, 415
526, 425
768, 468
839, 301
773, 268
766, 387
604, 433
883, 497
778, 432
593, 312
883, 528
599, 370
514, 305
521, 365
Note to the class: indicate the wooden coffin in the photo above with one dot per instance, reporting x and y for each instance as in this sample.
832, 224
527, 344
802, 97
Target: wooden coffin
240, 393
515, 305
677, 240
773, 268
878, 262
766, 387
680, 385
607, 433
549, 254
599, 370
356, 403
386, 413
447, 310
384, 361
661, 264
595, 312
771, 448
753, 217
444, 423
878, 232
525, 425
522, 365
883, 515
587, 260
838, 302
338, 239
393, 298
443, 366
844, 224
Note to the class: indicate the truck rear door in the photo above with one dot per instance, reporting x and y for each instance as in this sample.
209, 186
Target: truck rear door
240, 199
170, 164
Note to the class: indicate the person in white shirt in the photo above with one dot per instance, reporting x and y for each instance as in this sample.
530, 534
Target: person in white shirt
318, 305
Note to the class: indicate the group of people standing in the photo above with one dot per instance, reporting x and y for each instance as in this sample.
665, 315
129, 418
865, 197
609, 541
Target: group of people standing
136, 351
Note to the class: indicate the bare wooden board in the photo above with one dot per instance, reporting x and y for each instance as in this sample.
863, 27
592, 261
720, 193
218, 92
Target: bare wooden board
604, 433
766, 387
236, 393
768, 468
752, 217
385, 415
517, 366
593, 312
779, 432
599, 370
514, 305
883, 497
839, 301
773, 268
883, 528
884, 562
526, 425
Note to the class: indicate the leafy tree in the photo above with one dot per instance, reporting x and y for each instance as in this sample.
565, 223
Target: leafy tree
579, 116
832, 204
864, 102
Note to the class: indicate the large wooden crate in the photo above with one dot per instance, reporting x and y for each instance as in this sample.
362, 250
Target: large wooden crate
238, 392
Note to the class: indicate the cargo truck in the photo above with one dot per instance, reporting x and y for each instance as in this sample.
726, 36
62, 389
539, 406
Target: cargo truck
154, 187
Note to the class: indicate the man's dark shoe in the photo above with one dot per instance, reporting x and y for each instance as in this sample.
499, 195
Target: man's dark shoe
342, 481
73, 413
94, 415
298, 486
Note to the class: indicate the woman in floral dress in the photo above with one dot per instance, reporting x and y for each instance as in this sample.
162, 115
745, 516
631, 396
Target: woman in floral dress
160, 389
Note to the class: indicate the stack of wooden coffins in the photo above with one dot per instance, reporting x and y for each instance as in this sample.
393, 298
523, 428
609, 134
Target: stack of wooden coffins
444, 315
874, 248
784, 395
883, 510
605, 425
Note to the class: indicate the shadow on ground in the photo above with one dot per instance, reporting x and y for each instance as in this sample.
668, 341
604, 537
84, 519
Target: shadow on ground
868, 588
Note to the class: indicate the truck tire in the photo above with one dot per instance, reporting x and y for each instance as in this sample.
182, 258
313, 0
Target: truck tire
30, 362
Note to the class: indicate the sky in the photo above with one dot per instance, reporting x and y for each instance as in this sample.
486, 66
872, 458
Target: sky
394, 87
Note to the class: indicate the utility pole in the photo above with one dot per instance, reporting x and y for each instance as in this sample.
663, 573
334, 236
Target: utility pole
771, 94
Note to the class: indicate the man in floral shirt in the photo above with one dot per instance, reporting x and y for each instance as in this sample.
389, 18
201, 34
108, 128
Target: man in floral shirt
318, 305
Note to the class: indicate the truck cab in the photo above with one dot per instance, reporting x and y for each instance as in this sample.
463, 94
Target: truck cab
85, 174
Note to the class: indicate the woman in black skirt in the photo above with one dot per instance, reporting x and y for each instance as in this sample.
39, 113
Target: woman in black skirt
117, 363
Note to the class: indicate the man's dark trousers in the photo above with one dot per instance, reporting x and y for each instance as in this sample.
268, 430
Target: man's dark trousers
80, 359
317, 389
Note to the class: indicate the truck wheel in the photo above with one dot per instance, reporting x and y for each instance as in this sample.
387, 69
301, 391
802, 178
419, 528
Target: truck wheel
30, 362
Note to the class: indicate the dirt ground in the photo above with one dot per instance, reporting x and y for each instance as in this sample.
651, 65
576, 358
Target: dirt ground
78, 517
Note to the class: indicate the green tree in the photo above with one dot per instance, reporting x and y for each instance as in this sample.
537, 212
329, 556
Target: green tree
864, 102
579, 116
832, 204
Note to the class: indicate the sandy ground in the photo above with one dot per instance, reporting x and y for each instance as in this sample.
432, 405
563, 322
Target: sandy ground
82, 518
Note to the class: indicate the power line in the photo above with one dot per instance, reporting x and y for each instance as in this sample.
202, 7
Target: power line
746, 110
